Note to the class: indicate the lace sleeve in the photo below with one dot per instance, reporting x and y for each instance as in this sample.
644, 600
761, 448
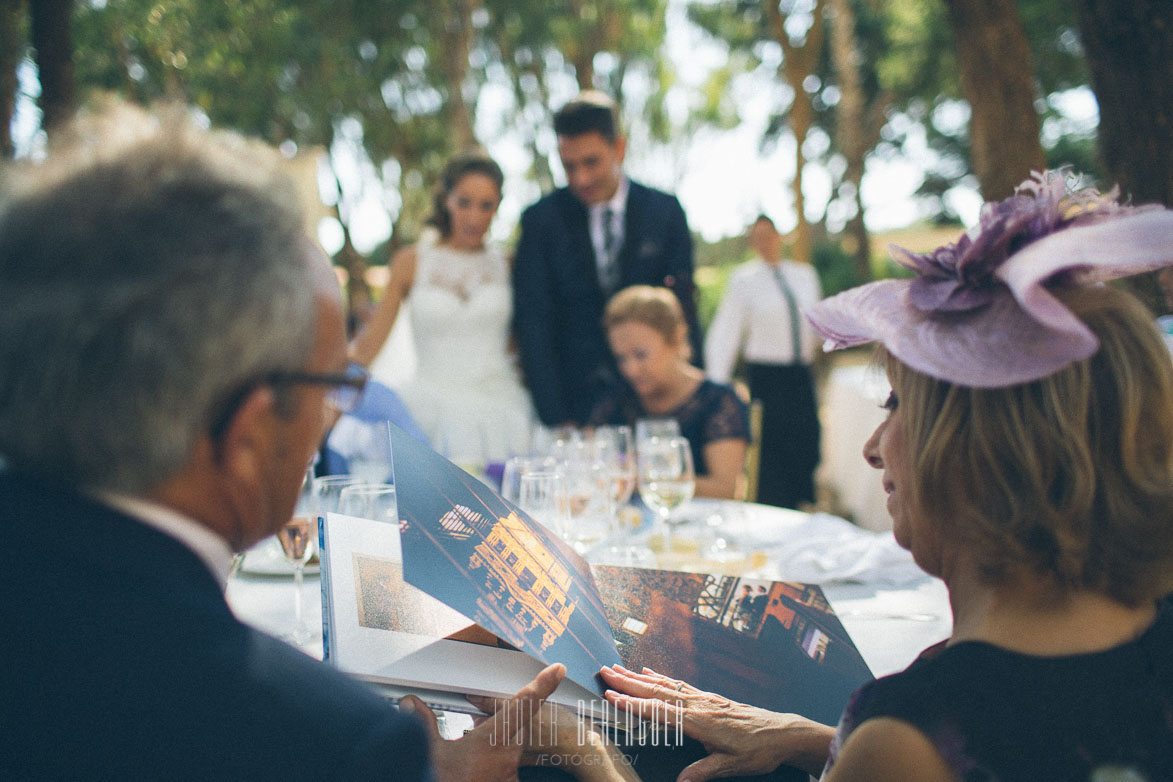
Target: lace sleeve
729, 418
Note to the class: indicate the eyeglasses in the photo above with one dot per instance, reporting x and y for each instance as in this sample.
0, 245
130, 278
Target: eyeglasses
344, 394
346, 387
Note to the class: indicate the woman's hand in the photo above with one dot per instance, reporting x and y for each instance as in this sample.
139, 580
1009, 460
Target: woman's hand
741, 739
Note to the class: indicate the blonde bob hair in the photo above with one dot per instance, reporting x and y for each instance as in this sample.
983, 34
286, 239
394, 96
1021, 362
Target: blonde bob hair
656, 308
1070, 476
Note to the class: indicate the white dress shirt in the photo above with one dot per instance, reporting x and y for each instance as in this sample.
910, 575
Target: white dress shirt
212, 549
753, 318
618, 206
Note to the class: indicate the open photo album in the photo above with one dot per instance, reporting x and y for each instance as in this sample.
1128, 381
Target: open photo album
469, 595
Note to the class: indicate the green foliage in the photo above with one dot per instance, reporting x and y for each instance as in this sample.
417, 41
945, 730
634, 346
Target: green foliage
835, 267
710, 287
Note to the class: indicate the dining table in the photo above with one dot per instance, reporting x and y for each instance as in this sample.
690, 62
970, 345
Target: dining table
889, 607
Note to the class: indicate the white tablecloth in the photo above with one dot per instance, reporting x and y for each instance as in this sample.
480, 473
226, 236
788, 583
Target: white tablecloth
889, 607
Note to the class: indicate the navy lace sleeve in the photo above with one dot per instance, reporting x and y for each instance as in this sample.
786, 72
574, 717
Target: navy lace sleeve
714, 412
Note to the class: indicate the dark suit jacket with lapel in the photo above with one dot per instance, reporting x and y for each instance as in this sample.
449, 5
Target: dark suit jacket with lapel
558, 301
122, 660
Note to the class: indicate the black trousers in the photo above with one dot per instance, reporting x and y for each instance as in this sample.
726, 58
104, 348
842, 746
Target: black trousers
790, 432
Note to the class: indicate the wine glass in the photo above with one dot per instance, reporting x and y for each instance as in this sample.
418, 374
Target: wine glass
614, 449
297, 544
516, 466
374, 501
542, 495
588, 491
366, 446
666, 478
647, 428
327, 491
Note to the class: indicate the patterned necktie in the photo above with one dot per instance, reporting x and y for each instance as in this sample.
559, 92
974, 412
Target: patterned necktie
609, 272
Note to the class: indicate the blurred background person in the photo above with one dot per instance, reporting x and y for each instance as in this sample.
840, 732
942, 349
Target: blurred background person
579, 245
465, 394
759, 319
648, 336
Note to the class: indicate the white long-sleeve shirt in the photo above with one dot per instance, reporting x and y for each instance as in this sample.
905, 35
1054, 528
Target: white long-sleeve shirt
753, 318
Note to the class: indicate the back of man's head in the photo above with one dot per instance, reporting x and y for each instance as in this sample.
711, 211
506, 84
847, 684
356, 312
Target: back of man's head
148, 272
591, 111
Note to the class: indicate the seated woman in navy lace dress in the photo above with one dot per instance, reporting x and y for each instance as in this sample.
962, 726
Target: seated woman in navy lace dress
648, 334
1028, 462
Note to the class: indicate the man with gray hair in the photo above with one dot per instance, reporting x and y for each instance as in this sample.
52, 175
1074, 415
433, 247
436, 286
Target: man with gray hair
171, 347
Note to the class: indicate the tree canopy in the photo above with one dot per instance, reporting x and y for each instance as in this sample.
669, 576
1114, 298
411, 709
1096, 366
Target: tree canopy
393, 87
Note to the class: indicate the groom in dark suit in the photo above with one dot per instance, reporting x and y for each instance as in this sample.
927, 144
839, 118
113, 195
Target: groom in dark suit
581, 244
171, 347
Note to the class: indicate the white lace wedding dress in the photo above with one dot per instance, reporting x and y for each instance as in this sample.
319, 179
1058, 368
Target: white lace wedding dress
466, 393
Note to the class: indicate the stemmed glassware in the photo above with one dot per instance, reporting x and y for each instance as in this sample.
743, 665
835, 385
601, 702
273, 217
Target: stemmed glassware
327, 492
517, 466
374, 501
589, 501
667, 479
647, 428
297, 545
543, 496
614, 449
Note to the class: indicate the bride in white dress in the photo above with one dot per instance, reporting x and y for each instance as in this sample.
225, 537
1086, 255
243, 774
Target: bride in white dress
465, 394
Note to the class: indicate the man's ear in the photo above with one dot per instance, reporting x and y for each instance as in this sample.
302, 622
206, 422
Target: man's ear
245, 447
620, 147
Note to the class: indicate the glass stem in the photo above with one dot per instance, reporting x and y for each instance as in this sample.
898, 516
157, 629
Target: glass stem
297, 582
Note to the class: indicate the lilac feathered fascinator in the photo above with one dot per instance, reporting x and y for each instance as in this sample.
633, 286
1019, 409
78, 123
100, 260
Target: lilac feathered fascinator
979, 312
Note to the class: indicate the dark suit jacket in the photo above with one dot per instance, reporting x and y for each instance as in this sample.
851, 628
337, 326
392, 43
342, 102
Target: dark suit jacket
120, 659
558, 301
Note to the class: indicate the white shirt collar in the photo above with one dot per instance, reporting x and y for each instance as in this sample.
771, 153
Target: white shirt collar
212, 549
617, 202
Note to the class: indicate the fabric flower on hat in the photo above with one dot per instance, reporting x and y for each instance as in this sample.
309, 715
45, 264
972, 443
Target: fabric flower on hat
978, 312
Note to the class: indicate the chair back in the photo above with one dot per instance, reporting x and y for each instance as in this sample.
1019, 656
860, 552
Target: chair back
748, 484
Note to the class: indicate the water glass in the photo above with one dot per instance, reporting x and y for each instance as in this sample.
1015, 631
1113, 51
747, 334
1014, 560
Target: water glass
366, 446
327, 491
517, 466
588, 491
374, 501
615, 450
543, 496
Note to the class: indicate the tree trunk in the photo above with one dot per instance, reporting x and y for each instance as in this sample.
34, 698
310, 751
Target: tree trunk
54, 44
582, 50
10, 51
798, 62
1129, 49
456, 36
997, 77
857, 128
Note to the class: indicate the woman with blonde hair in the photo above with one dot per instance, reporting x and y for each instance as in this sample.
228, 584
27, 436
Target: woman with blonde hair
648, 335
1028, 463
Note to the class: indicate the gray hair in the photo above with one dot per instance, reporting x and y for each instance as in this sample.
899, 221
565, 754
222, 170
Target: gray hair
148, 273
